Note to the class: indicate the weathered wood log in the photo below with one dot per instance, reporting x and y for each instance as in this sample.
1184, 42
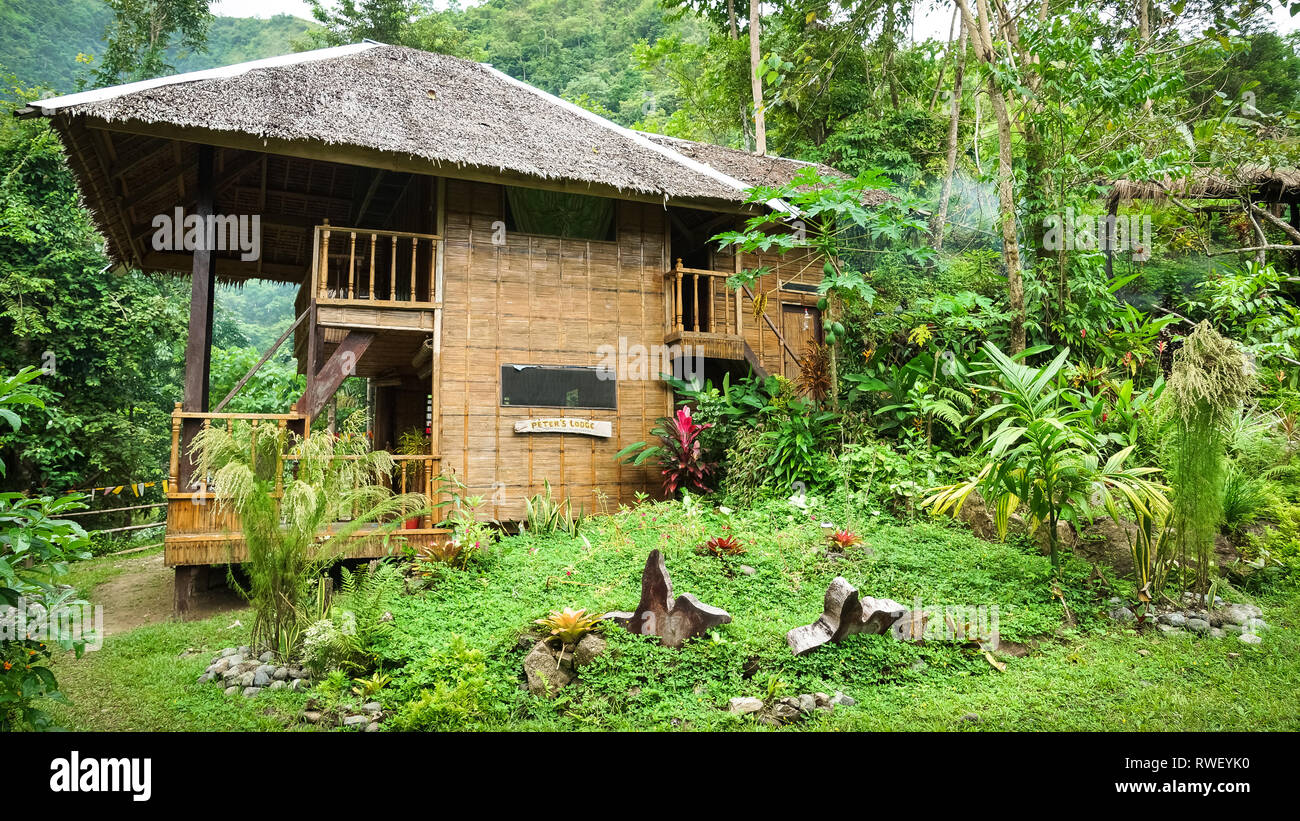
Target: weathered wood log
658, 614
843, 614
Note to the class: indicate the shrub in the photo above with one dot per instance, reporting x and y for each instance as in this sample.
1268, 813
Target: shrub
460, 696
681, 458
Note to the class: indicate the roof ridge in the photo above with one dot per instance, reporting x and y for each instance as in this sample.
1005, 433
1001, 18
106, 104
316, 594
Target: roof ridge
651, 135
51, 104
640, 139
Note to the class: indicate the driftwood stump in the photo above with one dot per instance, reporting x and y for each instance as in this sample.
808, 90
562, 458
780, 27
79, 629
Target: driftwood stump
659, 615
843, 614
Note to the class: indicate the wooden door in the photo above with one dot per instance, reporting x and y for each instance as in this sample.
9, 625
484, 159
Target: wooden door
801, 325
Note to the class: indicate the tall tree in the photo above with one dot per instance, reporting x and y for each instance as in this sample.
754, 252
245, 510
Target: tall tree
141, 33
983, 36
351, 21
756, 78
954, 123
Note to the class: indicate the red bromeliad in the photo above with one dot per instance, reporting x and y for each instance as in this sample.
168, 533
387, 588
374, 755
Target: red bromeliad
844, 539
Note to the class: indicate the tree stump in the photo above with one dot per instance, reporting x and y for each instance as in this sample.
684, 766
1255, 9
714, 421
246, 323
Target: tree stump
659, 615
843, 614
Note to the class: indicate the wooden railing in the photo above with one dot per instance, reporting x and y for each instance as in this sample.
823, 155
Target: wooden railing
414, 473
699, 302
391, 269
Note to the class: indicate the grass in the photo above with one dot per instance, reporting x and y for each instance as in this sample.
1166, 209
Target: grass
1084, 673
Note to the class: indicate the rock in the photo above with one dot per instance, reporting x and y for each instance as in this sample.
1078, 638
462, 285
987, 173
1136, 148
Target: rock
843, 614
219, 666
249, 692
230, 691
266, 657
786, 710
822, 700
744, 705
245, 650
807, 703
1241, 613
1167, 629
1234, 655
281, 674
1173, 619
371, 707
229, 651
658, 614
261, 679
356, 721
1249, 638
1122, 615
588, 647
247, 679
1216, 633
1144, 653
1198, 625
372, 727
299, 684
234, 661
278, 684
269, 669
297, 672
1255, 625
841, 700
972, 718
545, 676
911, 627
747, 570
1236, 629
311, 717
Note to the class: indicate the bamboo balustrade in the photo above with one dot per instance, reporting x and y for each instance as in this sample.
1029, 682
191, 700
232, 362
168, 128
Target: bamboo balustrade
699, 305
366, 266
199, 529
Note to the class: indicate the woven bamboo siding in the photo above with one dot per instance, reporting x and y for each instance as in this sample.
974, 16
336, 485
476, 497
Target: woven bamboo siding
544, 301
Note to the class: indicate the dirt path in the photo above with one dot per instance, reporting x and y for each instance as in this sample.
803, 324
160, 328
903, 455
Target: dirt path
142, 594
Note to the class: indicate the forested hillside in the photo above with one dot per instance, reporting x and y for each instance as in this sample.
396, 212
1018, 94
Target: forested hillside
40, 40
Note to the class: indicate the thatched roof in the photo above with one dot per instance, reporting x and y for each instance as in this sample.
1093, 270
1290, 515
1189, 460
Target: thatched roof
452, 113
752, 169
1256, 181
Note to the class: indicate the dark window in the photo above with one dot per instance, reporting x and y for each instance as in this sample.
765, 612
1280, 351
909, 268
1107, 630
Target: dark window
556, 214
557, 386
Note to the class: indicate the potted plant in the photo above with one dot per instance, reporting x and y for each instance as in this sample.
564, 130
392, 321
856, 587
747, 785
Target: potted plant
413, 442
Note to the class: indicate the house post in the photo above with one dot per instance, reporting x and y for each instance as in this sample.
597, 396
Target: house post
198, 357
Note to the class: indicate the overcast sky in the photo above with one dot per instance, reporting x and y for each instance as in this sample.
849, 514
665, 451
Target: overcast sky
931, 19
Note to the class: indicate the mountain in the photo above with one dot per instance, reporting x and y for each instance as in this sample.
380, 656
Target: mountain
40, 40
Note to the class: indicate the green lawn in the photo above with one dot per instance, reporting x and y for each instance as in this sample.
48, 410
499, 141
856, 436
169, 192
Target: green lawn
1084, 675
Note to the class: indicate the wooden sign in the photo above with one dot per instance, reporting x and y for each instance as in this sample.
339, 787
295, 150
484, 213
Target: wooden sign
587, 427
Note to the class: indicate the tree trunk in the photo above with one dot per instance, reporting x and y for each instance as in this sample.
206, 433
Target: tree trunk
954, 120
732, 28
1006, 173
756, 80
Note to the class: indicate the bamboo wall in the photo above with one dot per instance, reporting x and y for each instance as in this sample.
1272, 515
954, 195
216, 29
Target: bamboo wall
544, 301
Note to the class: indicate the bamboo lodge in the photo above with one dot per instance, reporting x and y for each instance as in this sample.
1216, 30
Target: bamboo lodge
472, 246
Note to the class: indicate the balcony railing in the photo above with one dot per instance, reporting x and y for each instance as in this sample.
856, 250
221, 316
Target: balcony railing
192, 510
386, 269
700, 303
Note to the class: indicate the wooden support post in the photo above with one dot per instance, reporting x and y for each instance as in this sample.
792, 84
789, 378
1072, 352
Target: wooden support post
198, 346
677, 287
187, 577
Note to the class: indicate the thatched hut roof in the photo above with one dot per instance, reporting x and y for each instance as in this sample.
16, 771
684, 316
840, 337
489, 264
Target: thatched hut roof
1257, 181
449, 112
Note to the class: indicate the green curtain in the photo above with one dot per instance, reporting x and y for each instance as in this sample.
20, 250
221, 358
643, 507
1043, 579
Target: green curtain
552, 213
